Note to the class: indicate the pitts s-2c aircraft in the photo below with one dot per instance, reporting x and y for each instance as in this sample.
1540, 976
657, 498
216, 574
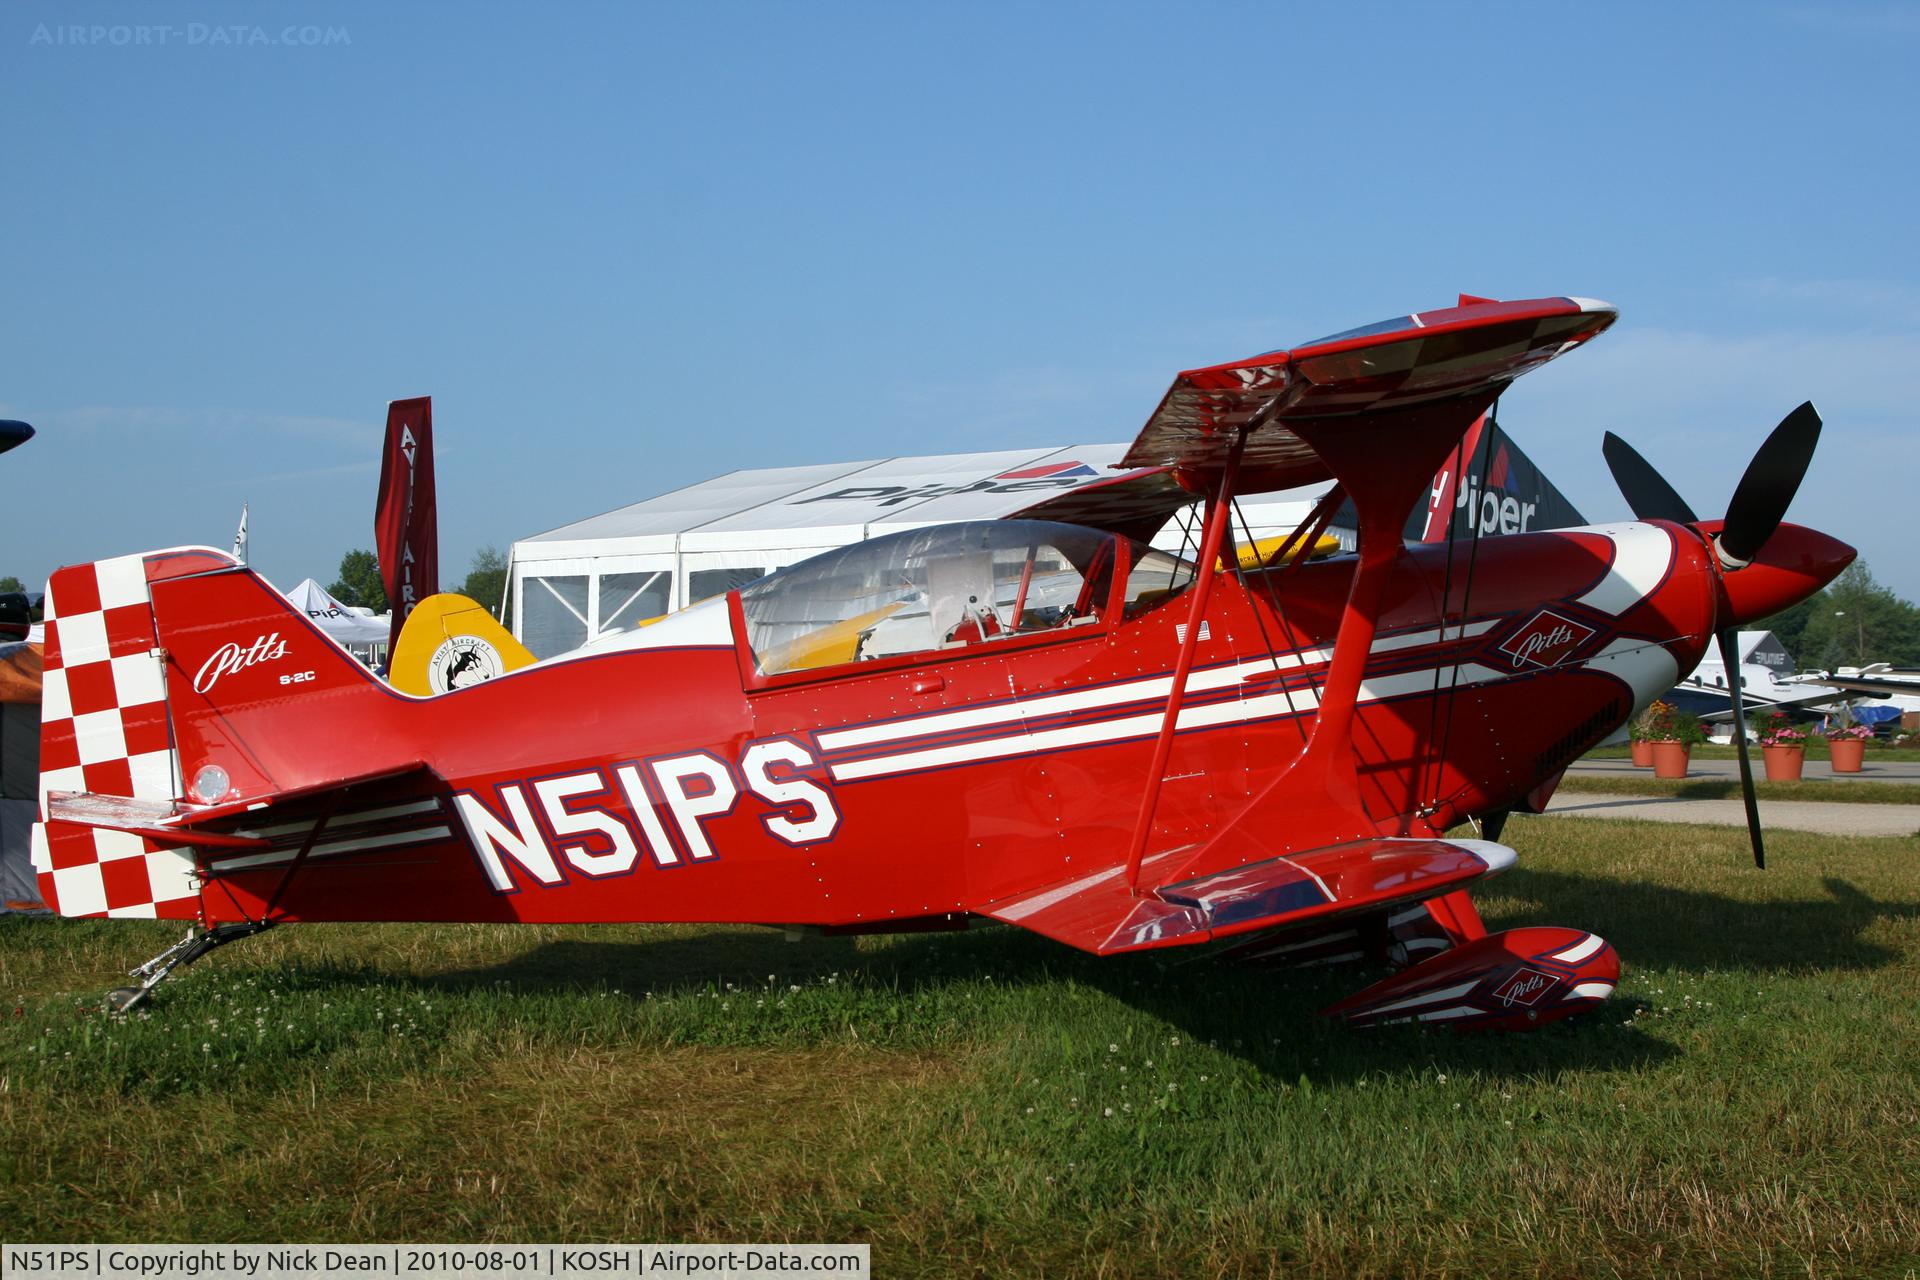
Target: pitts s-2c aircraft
1039, 720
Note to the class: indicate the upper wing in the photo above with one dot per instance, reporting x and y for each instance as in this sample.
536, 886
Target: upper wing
1134, 505
1392, 367
1099, 913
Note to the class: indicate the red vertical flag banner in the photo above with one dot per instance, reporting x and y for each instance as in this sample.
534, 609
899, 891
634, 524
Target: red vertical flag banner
406, 519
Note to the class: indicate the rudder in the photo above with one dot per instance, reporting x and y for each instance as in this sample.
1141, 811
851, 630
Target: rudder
104, 730
180, 678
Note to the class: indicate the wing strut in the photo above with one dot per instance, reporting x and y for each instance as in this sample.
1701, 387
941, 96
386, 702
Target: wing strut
1316, 799
1219, 505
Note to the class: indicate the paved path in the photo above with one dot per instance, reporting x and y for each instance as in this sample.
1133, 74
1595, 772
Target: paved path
1903, 766
1783, 815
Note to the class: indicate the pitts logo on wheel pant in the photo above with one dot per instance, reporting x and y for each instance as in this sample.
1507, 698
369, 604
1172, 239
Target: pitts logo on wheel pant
600, 821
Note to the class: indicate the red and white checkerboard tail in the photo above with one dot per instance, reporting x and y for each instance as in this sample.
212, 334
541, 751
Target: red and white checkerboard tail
179, 681
104, 730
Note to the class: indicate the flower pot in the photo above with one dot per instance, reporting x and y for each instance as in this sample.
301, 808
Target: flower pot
1784, 763
1642, 754
1670, 759
1847, 754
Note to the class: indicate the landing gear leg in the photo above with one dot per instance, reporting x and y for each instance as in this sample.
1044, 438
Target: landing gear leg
184, 952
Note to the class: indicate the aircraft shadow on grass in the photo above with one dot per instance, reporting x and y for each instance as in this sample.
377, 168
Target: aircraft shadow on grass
1265, 1015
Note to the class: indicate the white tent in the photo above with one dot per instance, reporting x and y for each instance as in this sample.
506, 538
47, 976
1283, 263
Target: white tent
606, 573
342, 622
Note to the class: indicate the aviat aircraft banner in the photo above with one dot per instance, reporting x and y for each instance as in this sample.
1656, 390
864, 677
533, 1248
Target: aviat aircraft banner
406, 519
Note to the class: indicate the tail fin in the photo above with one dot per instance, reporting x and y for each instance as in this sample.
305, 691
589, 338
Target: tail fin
450, 642
172, 679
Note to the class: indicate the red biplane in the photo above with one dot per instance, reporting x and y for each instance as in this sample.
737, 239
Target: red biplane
1041, 720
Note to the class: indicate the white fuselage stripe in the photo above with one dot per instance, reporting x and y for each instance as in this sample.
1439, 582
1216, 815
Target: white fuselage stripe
1580, 950
1131, 691
1642, 555
1142, 724
423, 835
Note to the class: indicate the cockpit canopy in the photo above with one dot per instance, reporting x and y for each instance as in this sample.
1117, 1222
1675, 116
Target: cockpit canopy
948, 586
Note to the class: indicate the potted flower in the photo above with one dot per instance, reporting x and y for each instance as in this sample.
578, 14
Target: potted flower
1783, 749
1672, 734
1846, 740
1641, 744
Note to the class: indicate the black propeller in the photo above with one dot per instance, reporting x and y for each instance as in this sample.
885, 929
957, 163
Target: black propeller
1646, 490
1759, 504
1773, 477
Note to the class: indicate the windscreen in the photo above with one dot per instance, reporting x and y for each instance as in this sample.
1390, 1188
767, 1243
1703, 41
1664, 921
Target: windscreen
943, 587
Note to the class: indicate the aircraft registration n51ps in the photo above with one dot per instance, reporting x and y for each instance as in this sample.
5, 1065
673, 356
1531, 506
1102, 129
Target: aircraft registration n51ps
1039, 720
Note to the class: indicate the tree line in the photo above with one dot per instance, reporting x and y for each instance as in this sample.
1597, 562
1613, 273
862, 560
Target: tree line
359, 581
1853, 622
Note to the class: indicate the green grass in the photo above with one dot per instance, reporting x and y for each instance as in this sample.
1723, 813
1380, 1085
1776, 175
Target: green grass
991, 1103
1815, 789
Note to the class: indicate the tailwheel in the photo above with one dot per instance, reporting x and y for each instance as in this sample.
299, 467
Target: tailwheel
184, 952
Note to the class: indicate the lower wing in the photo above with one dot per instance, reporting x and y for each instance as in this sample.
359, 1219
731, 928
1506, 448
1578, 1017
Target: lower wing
1103, 914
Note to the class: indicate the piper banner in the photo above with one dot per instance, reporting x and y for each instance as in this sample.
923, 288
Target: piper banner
406, 519
1505, 492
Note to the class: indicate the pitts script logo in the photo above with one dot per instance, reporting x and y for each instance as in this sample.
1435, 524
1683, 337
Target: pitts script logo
1547, 640
230, 658
1525, 988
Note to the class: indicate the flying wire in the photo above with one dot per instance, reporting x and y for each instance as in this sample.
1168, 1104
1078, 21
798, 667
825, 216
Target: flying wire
1466, 591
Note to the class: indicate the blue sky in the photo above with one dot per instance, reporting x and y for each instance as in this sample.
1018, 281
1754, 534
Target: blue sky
627, 247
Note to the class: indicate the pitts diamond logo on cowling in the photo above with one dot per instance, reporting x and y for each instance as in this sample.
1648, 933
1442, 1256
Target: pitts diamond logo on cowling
1525, 987
1547, 640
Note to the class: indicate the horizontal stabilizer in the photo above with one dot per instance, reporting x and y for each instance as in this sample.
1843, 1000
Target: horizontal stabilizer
1101, 914
155, 820
221, 826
